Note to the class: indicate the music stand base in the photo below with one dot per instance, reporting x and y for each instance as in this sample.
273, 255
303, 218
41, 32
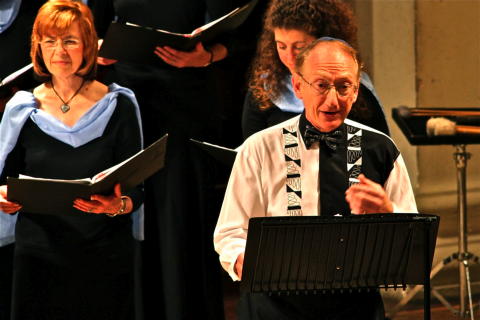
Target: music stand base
462, 259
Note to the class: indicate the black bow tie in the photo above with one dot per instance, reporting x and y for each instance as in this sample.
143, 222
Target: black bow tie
331, 139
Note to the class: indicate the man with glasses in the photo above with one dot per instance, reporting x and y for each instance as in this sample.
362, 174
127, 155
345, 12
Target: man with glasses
318, 163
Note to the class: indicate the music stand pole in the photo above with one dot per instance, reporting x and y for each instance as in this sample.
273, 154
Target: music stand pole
461, 157
427, 288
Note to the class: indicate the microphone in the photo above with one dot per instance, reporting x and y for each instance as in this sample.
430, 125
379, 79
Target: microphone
440, 126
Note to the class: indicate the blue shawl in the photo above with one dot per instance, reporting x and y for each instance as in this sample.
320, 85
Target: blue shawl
8, 12
90, 126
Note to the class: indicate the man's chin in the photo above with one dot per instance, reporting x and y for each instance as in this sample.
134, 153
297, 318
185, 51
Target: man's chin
326, 122
329, 123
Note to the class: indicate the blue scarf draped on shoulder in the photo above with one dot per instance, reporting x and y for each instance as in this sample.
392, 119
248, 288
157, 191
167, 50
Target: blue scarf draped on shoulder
287, 101
89, 127
8, 12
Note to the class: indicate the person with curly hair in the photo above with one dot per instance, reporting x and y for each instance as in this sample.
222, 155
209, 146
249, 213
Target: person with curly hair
289, 26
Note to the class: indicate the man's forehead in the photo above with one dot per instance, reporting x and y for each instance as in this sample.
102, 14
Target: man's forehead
329, 57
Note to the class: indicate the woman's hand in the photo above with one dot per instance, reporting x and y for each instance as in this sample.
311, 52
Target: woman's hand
99, 204
198, 57
5, 205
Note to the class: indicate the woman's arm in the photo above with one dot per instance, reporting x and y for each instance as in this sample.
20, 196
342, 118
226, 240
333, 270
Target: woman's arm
128, 143
14, 164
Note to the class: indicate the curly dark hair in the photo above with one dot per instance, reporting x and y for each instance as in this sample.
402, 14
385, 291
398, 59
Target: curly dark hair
318, 18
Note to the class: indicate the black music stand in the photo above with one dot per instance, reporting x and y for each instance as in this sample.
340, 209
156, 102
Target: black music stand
315, 254
412, 122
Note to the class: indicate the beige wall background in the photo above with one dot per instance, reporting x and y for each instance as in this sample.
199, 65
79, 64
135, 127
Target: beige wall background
425, 53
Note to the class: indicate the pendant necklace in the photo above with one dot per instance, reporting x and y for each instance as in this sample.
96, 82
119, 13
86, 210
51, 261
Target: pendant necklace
65, 107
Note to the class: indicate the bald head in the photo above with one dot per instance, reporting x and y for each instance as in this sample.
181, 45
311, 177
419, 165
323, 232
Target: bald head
327, 45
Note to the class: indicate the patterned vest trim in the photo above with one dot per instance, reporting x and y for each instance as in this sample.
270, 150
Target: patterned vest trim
293, 161
354, 154
294, 181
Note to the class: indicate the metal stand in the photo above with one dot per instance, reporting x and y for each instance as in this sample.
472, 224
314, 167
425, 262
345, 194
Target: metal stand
463, 257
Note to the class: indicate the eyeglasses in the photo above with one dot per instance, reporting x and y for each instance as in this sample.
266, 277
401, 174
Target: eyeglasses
322, 87
67, 44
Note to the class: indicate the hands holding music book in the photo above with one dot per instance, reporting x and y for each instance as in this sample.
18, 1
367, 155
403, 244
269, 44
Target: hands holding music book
119, 38
55, 196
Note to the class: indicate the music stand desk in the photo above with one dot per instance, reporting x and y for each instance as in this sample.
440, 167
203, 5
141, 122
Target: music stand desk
415, 128
316, 254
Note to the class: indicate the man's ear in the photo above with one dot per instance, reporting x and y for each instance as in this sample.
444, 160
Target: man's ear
296, 84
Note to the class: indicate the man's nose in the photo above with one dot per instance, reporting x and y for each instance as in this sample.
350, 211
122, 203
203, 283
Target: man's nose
331, 99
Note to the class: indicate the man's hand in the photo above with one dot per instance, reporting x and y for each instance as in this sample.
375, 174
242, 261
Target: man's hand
5, 205
239, 265
368, 197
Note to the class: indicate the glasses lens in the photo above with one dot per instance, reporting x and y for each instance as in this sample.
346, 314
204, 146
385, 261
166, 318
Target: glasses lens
344, 89
70, 44
322, 87
67, 44
49, 43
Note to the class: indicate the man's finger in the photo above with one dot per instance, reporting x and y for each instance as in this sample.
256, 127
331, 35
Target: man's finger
359, 189
365, 180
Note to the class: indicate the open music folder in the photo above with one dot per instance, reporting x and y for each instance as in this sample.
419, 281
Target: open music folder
55, 196
134, 43
224, 155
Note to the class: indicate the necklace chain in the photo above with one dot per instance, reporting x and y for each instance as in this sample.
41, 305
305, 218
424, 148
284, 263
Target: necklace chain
65, 107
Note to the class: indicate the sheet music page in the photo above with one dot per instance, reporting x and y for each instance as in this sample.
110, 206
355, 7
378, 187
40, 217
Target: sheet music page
99, 176
194, 32
82, 181
211, 23
14, 75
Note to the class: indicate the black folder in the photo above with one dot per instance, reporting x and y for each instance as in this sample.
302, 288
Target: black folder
22, 79
53, 196
315, 254
224, 155
135, 43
